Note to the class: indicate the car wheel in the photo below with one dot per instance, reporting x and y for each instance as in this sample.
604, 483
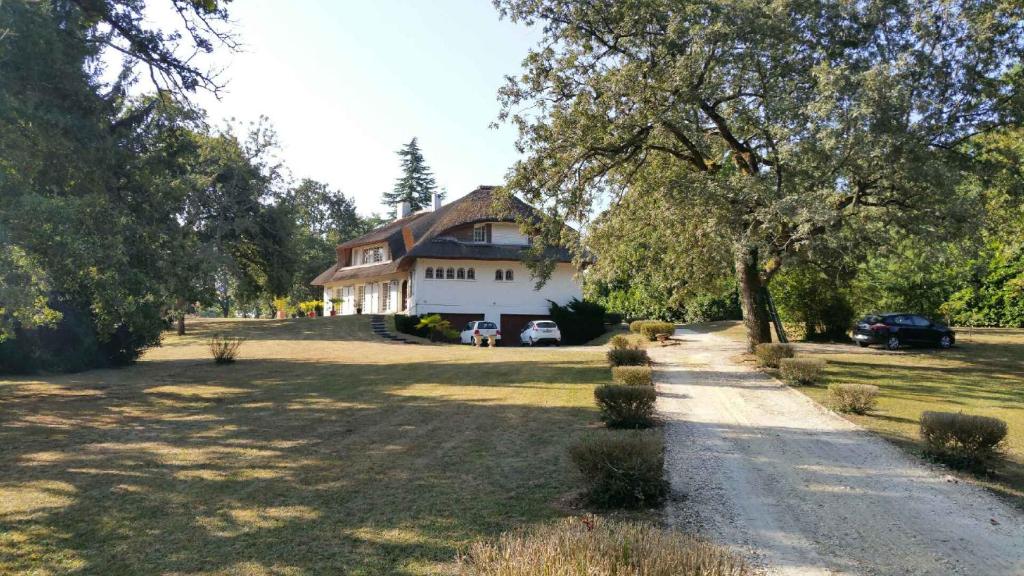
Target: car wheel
893, 343
862, 344
946, 341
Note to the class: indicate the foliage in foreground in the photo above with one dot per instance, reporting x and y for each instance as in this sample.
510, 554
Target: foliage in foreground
628, 357
579, 321
962, 440
225, 349
621, 469
633, 375
802, 371
853, 398
769, 354
624, 406
594, 546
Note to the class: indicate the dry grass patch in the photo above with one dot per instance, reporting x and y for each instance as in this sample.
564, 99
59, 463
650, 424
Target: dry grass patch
322, 450
597, 547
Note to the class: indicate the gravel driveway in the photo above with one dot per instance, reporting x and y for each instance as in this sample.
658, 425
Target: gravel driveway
802, 491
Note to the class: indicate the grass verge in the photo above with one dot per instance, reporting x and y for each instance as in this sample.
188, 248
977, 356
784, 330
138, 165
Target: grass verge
321, 450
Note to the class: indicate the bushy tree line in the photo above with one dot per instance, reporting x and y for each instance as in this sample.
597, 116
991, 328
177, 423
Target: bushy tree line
773, 129
117, 212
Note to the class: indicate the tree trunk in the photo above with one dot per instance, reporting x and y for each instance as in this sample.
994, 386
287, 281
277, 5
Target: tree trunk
181, 323
755, 312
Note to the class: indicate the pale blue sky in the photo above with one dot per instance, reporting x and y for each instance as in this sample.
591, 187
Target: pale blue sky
345, 84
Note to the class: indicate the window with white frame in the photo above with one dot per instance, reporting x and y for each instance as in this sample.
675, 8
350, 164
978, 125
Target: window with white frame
470, 274
499, 275
385, 297
460, 274
508, 276
450, 274
429, 273
373, 255
480, 233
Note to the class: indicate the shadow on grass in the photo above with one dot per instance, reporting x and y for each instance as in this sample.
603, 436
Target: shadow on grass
271, 466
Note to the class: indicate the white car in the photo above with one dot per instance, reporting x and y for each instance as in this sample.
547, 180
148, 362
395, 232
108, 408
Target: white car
480, 328
540, 332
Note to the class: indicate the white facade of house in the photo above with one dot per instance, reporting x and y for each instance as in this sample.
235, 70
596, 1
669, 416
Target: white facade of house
454, 286
486, 295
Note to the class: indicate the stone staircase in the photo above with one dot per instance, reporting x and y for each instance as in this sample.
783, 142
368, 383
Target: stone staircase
380, 329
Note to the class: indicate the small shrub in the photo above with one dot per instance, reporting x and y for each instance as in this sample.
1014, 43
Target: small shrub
224, 349
802, 371
635, 325
961, 440
409, 325
855, 398
621, 469
633, 375
595, 546
769, 354
621, 342
652, 328
624, 406
628, 357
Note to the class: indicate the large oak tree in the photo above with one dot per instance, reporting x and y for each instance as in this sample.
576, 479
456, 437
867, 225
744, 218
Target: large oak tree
781, 121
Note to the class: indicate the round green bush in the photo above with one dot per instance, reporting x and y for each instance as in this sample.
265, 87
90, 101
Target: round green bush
802, 371
633, 375
621, 469
624, 406
855, 398
652, 328
628, 357
961, 440
769, 354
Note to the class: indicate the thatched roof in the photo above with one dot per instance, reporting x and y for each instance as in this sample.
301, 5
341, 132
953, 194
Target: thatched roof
422, 235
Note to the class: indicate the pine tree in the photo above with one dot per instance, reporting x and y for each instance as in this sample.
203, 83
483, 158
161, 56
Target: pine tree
416, 185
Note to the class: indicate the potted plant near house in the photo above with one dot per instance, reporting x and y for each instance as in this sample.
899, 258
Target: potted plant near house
335, 306
281, 305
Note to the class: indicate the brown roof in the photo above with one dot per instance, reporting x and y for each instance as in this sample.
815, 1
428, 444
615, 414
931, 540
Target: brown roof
426, 230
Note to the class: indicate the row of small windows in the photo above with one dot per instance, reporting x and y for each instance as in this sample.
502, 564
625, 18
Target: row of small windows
451, 273
464, 274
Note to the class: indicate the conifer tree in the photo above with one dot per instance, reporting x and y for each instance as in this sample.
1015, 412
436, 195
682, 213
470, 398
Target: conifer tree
416, 185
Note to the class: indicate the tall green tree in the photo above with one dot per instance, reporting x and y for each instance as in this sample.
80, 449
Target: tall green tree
416, 185
324, 219
785, 120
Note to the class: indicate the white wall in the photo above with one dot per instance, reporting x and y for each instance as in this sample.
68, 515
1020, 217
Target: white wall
485, 294
505, 233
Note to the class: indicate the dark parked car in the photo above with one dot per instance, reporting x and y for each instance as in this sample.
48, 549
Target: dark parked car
895, 331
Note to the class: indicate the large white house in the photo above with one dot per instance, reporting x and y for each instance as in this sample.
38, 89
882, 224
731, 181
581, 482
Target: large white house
462, 260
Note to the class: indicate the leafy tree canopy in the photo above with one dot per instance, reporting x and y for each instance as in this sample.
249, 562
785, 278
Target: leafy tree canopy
784, 120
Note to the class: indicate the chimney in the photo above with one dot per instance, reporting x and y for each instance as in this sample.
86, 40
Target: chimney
437, 201
404, 209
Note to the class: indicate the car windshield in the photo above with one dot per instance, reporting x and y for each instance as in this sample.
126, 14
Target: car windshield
546, 325
486, 325
872, 319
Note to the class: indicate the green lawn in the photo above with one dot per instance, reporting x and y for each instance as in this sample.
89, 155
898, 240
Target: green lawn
983, 374
320, 452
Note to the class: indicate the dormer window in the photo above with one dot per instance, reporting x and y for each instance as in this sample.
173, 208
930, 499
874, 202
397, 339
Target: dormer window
373, 255
480, 233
